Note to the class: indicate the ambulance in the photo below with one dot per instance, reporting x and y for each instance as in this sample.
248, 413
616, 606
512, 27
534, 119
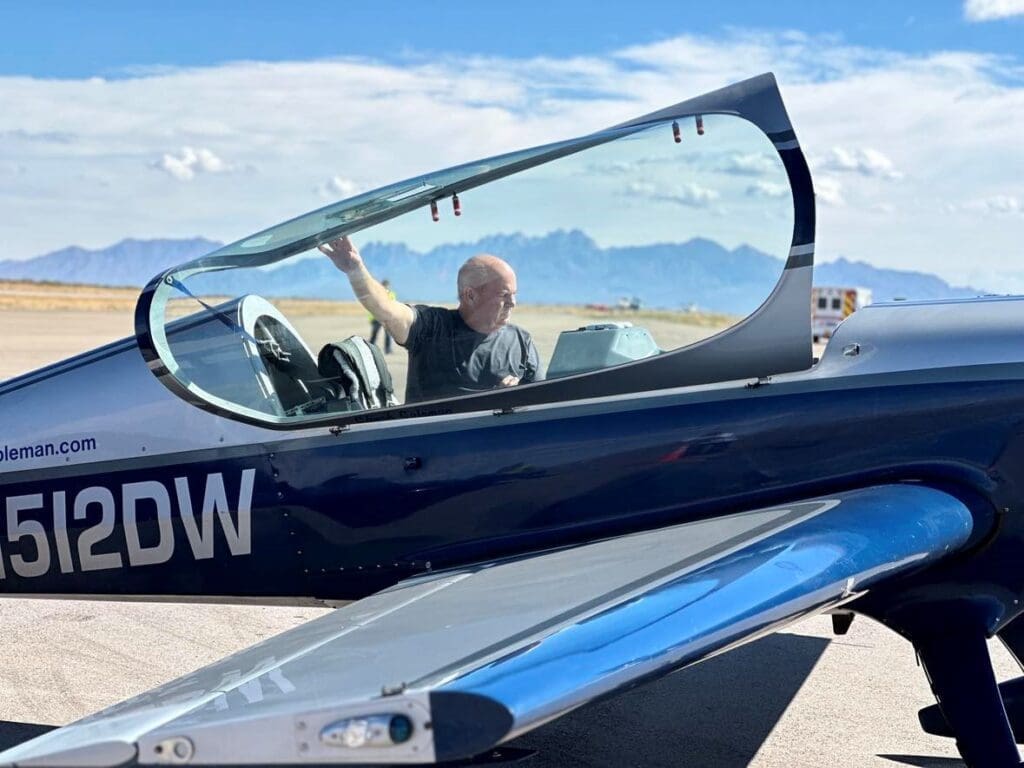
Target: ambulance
830, 305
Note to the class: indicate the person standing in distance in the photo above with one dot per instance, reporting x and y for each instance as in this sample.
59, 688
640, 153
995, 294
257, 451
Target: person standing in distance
451, 351
375, 324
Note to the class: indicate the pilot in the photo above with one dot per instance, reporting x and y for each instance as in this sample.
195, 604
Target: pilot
451, 351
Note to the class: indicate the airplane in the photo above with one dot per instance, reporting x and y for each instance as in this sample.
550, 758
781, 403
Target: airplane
500, 558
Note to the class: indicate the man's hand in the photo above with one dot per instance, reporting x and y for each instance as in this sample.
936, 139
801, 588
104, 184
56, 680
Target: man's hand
343, 253
509, 381
396, 317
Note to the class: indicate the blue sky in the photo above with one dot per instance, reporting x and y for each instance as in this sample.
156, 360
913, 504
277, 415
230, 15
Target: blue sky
148, 119
69, 39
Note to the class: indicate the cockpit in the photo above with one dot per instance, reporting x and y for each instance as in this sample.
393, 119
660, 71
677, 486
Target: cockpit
632, 246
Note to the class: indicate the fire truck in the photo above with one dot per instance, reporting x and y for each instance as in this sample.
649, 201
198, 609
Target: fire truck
830, 305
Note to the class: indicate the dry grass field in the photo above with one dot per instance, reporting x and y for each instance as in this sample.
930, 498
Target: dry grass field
799, 699
46, 322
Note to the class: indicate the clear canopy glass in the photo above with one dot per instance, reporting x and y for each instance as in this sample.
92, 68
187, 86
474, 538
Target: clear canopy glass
625, 244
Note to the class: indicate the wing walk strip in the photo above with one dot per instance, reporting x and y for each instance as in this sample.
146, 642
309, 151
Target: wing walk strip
476, 657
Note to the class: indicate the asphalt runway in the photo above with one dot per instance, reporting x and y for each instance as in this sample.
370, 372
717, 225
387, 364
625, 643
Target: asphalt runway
800, 698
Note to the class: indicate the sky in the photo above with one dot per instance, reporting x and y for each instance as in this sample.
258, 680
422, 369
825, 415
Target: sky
129, 119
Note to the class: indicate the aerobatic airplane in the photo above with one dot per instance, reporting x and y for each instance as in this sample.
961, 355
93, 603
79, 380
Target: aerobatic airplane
518, 552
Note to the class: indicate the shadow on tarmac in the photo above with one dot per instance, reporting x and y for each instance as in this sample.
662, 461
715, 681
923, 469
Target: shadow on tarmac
922, 761
12, 733
716, 714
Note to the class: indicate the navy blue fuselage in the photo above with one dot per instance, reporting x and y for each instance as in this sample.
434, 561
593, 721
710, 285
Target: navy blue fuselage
338, 517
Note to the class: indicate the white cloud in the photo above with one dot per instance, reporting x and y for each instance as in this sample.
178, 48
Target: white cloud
179, 168
338, 187
688, 194
752, 164
829, 191
613, 168
632, 166
865, 161
55, 137
768, 189
995, 205
989, 10
190, 162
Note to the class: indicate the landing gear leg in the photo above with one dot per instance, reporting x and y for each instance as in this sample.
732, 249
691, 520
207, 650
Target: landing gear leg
960, 672
1012, 636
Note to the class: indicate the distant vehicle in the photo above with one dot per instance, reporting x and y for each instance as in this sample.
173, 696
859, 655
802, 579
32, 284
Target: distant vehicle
830, 305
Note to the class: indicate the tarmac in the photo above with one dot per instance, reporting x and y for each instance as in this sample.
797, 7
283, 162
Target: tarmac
799, 698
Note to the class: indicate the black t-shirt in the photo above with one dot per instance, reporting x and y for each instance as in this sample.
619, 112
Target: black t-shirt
448, 358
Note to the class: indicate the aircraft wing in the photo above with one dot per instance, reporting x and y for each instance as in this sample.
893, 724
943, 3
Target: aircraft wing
447, 666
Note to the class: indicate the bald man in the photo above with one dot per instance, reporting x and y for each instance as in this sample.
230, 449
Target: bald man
451, 351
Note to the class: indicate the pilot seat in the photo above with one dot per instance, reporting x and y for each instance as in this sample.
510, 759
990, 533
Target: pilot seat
357, 373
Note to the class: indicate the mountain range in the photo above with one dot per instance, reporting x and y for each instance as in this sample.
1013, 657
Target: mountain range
561, 267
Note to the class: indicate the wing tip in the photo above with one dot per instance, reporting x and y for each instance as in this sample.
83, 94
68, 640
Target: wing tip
466, 724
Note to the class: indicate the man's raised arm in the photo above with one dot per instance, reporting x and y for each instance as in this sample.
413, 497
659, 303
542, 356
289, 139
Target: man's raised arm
395, 316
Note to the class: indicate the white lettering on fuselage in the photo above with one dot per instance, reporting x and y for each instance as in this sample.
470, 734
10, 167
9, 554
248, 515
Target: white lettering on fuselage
97, 507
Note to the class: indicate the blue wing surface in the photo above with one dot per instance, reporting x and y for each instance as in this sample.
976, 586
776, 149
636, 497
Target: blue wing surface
468, 659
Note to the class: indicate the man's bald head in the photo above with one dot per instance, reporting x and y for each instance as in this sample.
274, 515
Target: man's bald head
487, 292
482, 269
